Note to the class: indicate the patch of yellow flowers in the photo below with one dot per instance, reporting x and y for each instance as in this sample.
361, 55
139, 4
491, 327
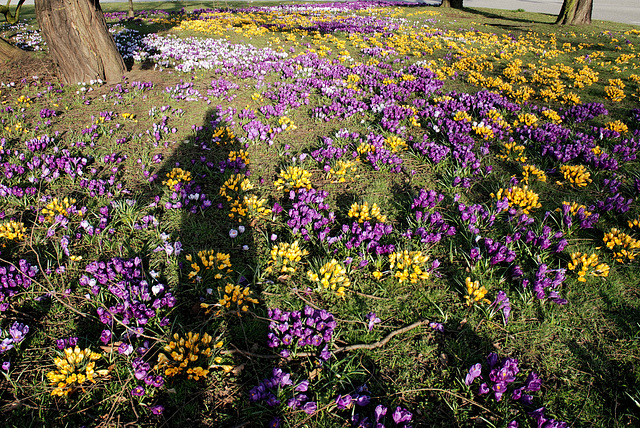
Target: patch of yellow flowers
285, 256
531, 172
395, 143
624, 247
242, 154
408, 265
475, 292
332, 275
462, 116
614, 91
363, 212
514, 152
175, 176
526, 119
293, 177
12, 230
218, 263
57, 207
223, 135
343, 170
483, 131
182, 351
73, 369
237, 295
287, 124
234, 184
520, 197
250, 206
587, 262
577, 175
617, 126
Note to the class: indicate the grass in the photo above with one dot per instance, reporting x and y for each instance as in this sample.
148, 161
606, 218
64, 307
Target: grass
585, 352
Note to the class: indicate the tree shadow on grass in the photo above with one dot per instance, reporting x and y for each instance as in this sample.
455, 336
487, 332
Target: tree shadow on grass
518, 23
611, 380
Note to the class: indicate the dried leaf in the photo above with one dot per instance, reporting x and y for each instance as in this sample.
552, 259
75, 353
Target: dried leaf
110, 348
237, 369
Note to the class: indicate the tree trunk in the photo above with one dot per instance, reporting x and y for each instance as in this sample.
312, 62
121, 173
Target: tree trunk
8, 52
575, 12
456, 4
78, 39
130, 13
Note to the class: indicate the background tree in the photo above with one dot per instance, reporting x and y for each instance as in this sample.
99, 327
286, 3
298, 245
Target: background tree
130, 12
457, 4
7, 50
575, 12
79, 41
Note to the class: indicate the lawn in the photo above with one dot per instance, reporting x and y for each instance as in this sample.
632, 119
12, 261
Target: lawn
316, 215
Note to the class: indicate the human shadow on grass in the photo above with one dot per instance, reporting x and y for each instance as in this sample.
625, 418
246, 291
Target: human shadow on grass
209, 225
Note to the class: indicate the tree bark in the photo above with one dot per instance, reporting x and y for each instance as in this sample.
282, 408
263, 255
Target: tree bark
78, 39
130, 13
456, 4
575, 12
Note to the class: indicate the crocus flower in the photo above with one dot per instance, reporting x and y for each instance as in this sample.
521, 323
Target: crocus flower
138, 391
344, 402
474, 372
401, 415
533, 382
274, 423
310, 407
373, 320
157, 409
437, 326
379, 412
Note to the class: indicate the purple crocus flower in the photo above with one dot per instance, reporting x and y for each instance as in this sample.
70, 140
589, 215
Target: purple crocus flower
344, 402
275, 423
533, 382
105, 337
302, 386
6, 345
310, 407
373, 320
401, 415
157, 409
379, 412
18, 331
138, 391
499, 389
492, 360
474, 372
437, 326
362, 400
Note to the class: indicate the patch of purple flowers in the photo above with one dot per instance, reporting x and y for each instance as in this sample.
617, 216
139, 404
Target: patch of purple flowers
12, 280
501, 375
16, 334
127, 295
274, 389
300, 329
